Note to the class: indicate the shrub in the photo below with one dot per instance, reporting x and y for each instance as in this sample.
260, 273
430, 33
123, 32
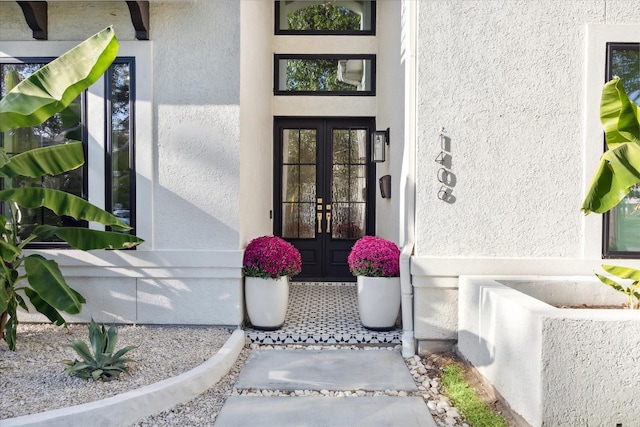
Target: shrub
374, 257
271, 256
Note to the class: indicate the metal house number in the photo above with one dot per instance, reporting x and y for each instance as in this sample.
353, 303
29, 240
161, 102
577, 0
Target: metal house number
446, 178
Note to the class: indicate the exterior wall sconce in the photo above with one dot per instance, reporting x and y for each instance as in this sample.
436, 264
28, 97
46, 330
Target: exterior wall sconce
379, 138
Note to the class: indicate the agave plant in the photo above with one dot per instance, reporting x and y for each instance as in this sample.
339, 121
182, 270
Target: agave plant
45, 93
102, 364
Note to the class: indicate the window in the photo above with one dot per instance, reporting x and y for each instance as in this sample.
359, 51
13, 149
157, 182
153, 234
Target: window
324, 75
325, 17
71, 124
622, 223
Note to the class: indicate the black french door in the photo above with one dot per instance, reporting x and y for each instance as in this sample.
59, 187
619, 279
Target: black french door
324, 190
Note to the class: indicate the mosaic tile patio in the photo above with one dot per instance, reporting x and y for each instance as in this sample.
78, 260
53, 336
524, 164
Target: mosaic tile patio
323, 313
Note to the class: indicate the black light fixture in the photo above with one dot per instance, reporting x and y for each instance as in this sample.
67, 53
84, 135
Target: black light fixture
379, 138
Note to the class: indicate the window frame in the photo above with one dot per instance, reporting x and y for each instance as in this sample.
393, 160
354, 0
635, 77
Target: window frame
103, 84
279, 32
108, 138
607, 218
276, 74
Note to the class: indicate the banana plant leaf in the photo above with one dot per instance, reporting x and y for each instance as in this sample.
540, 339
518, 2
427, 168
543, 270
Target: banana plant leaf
61, 203
87, 239
622, 272
8, 251
53, 87
38, 162
43, 307
619, 167
45, 278
4, 299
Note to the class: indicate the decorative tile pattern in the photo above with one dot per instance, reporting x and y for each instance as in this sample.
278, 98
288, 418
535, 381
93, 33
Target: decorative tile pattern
323, 313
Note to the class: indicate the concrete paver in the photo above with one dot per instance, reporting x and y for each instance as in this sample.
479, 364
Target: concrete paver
333, 370
325, 370
308, 411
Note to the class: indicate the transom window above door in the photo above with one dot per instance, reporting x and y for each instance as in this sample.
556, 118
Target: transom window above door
351, 75
325, 17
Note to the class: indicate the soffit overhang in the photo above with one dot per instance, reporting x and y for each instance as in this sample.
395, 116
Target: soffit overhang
36, 15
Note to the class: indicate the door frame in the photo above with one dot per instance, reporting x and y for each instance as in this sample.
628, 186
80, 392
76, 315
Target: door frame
323, 123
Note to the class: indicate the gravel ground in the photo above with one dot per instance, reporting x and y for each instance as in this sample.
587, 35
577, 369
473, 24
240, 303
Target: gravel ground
34, 371
33, 380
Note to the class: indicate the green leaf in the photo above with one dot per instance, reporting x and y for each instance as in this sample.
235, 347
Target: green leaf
96, 374
116, 357
8, 252
618, 171
61, 203
607, 281
87, 239
4, 299
619, 115
46, 279
622, 272
53, 87
619, 168
43, 307
96, 337
83, 351
52, 160
112, 339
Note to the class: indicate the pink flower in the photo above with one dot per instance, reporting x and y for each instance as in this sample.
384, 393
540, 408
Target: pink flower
375, 257
271, 256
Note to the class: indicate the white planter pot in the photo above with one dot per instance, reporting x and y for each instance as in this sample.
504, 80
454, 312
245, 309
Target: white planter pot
378, 302
266, 301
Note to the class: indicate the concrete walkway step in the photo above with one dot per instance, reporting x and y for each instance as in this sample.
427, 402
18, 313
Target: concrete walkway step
331, 370
325, 370
255, 411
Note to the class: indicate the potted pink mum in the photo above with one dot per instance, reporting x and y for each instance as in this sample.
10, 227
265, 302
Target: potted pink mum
376, 263
267, 264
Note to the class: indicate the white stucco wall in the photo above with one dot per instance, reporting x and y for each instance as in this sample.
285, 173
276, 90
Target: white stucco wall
187, 159
512, 83
555, 367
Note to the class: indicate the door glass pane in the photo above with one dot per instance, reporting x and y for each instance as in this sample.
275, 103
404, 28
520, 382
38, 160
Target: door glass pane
339, 16
291, 183
299, 183
315, 74
623, 221
341, 146
348, 183
358, 146
298, 220
308, 146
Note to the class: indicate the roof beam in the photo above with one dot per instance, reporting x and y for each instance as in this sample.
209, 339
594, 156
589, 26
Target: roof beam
139, 11
35, 13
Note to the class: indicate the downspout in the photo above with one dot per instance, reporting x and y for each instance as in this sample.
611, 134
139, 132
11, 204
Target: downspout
407, 174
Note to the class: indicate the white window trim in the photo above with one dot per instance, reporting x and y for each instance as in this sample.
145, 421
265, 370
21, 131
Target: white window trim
142, 51
597, 35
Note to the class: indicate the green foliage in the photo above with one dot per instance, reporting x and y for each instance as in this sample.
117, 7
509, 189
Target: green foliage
630, 290
619, 168
314, 75
477, 413
319, 74
49, 91
99, 362
325, 16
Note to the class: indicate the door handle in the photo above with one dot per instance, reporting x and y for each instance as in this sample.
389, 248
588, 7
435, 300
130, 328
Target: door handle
328, 222
319, 222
